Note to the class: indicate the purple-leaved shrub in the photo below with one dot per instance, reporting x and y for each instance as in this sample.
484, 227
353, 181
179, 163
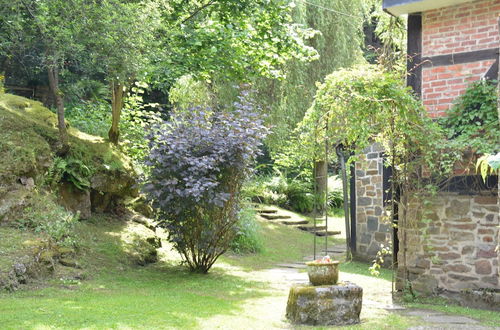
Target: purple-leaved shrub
199, 160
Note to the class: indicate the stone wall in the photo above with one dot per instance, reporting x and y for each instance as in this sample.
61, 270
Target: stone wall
371, 230
456, 250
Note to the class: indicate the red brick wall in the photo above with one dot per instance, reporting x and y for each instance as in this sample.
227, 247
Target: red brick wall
450, 30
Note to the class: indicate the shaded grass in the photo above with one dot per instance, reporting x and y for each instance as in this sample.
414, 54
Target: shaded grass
149, 297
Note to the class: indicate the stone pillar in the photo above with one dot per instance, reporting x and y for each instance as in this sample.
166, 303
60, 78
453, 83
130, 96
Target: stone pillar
371, 230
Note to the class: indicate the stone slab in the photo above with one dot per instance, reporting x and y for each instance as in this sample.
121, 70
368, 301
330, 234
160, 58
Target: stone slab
274, 216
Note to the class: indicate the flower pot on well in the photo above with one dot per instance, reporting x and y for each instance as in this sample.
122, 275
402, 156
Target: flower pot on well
323, 273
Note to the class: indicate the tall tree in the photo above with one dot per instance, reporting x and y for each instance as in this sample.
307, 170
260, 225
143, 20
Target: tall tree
52, 28
120, 44
339, 44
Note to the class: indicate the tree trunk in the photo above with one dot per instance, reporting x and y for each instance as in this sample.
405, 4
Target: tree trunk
53, 73
321, 180
116, 108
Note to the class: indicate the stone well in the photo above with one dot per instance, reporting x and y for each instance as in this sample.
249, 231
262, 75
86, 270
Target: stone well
338, 304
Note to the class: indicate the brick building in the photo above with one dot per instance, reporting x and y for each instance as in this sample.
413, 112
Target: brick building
450, 44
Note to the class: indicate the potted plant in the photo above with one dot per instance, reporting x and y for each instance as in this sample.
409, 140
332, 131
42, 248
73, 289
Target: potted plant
323, 271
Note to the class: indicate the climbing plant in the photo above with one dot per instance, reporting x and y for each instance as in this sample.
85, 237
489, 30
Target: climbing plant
472, 122
357, 107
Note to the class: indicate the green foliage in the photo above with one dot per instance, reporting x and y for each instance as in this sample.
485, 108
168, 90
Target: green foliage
188, 92
338, 41
247, 238
335, 199
91, 117
79, 89
69, 170
488, 164
392, 32
365, 105
473, 122
292, 194
44, 215
94, 117
137, 118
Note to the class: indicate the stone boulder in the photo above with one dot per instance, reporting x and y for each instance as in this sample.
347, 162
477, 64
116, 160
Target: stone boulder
13, 202
109, 188
325, 305
75, 200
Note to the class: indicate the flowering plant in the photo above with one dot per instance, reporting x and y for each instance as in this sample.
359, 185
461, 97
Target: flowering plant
324, 260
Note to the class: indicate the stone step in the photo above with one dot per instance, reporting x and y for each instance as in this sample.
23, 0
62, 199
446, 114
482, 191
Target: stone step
311, 228
295, 265
294, 222
275, 216
267, 211
324, 233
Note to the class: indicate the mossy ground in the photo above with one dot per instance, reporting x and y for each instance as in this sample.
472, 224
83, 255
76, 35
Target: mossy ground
28, 139
12, 247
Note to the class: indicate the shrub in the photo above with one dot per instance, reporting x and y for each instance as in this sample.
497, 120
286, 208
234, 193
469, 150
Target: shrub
292, 194
198, 163
91, 117
247, 238
335, 199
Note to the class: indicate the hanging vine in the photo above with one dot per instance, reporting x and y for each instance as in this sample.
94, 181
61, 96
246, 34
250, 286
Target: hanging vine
365, 105
339, 43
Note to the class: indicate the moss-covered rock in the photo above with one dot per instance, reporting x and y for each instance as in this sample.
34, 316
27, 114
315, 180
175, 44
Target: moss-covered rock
325, 305
28, 141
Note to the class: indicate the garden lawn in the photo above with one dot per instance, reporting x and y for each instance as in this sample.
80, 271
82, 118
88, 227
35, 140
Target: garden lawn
241, 292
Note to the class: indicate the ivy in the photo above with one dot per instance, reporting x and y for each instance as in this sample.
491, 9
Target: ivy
472, 122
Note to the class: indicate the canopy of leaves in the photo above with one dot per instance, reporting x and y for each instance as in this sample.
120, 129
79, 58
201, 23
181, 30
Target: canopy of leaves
338, 41
359, 106
235, 40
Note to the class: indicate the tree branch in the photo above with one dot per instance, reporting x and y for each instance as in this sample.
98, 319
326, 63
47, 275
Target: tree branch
198, 10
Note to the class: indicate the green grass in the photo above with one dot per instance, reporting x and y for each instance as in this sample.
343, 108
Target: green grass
140, 298
282, 244
241, 292
118, 294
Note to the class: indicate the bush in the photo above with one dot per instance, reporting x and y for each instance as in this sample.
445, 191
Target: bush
279, 190
90, 117
247, 239
198, 163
